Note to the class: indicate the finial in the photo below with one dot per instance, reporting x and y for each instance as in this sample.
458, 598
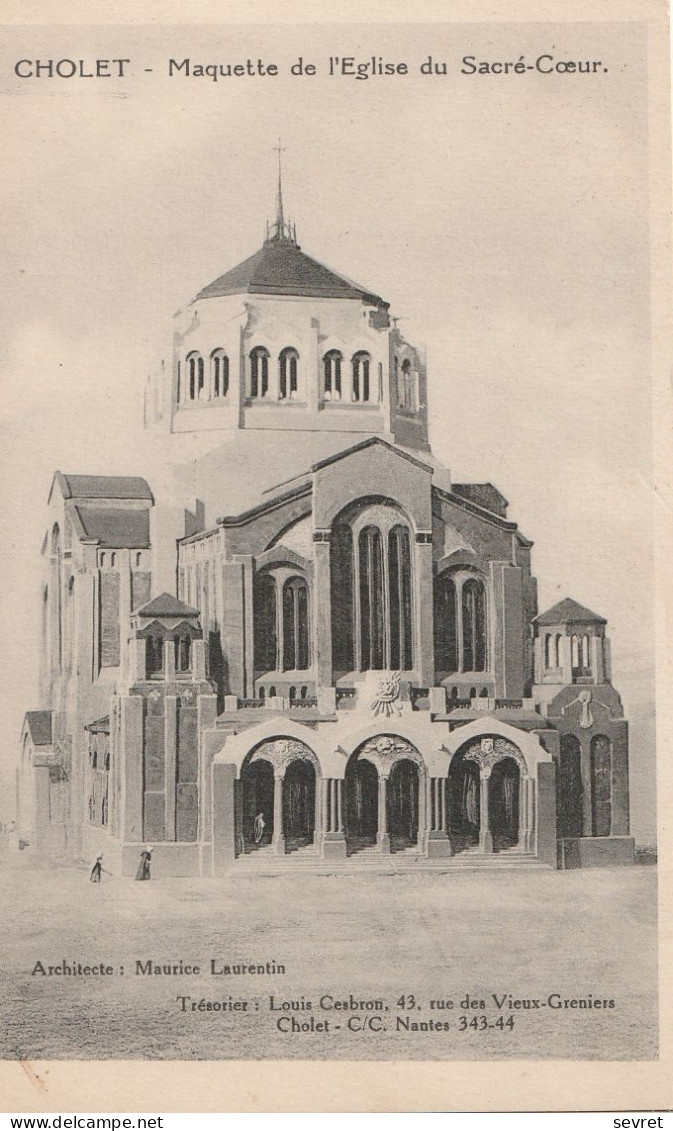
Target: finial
281, 230
280, 219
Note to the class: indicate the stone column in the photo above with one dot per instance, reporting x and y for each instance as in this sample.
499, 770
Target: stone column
439, 843
278, 840
318, 826
523, 813
485, 838
334, 839
322, 610
424, 655
422, 837
382, 837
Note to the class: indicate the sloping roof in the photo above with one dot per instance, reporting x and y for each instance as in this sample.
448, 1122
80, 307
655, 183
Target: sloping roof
568, 611
39, 727
103, 486
165, 605
484, 495
280, 267
116, 528
100, 726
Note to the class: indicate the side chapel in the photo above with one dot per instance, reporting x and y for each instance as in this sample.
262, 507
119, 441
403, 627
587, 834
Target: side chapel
311, 646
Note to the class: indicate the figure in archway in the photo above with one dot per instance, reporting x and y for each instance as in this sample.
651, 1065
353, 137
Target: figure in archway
257, 786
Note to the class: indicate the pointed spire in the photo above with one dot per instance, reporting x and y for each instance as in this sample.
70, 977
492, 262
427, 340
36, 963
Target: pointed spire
280, 219
281, 231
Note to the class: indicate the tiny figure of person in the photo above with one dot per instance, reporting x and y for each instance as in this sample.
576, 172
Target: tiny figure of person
143, 872
95, 873
260, 825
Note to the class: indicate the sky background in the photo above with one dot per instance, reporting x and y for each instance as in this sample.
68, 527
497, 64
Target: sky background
505, 218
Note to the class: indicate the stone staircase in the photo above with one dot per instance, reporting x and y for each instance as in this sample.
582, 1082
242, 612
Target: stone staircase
369, 860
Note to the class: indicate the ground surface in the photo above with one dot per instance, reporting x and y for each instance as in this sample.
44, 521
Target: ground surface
436, 937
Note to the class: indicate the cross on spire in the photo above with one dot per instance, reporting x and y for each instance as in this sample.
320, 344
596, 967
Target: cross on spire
280, 219
281, 230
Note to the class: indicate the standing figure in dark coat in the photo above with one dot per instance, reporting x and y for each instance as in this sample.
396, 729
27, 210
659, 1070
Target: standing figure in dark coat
96, 870
143, 872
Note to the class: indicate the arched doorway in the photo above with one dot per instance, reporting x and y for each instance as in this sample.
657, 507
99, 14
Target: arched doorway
299, 804
362, 804
257, 784
463, 807
503, 804
402, 804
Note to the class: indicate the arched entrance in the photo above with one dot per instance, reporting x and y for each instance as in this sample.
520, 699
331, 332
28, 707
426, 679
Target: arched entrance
402, 804
257, 786
503, 804
299, 785
463, 808
362, 804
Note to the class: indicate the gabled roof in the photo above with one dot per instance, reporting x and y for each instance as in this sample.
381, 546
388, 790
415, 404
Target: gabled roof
280, 267
117, 527
103, 486
166, 605
39, 727
568, 611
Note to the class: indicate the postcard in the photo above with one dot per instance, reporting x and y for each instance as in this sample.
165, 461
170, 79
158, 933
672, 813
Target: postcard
331, 438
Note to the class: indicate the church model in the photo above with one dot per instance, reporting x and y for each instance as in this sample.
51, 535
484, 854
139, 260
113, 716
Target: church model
307, 646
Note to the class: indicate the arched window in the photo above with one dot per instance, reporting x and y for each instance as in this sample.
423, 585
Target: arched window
288, 370
586, 653
399, 581
446, 625
548, 651
295, 625
266, 633
154, 655
601, 785
292, 694
196, 376
474, 626
557, 650
372, 607
342, 592
371, 591
183, 653
259, 372
407, 391
575, 652
360, 376
220, 373
332, 375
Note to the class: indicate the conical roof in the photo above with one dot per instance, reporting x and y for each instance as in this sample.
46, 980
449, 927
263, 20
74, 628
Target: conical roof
568, 611
280, 267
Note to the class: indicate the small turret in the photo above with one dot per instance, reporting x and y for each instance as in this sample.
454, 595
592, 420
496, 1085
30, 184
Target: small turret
571, 646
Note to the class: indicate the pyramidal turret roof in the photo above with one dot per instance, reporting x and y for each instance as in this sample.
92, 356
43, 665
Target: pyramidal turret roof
568, 611
280, 267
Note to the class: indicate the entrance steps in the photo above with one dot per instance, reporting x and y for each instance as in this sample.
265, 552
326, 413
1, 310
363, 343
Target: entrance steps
266, 862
